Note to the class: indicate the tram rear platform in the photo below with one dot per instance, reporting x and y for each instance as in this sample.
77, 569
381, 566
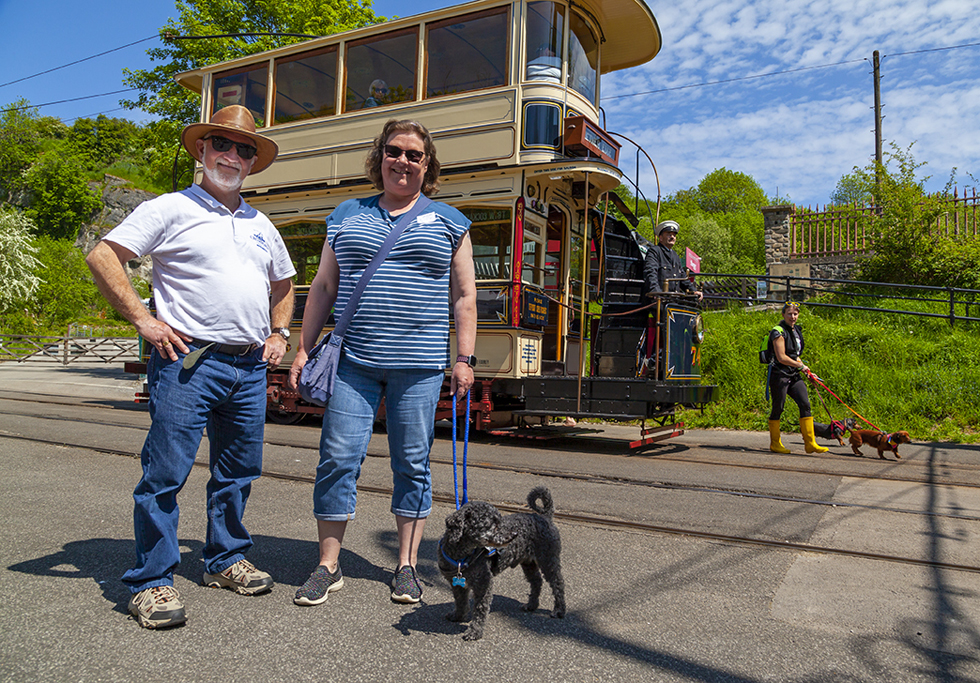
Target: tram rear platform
642, 604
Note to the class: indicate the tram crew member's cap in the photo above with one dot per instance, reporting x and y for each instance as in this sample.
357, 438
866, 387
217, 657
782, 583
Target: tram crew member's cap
233, 119
671, 226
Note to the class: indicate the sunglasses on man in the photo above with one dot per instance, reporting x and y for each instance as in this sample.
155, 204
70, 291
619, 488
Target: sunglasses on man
220, 144
413, 155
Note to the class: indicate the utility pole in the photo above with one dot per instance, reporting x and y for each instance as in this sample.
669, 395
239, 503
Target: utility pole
877, 78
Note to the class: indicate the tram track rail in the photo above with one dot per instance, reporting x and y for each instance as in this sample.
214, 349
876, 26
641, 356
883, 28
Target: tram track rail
633, 481
608, 522
922, 478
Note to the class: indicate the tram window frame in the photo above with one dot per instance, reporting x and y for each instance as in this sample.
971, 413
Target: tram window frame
539, 128
533, 258
586, 82
553, 38
436, 64
396, 90
245, 83
304, 242
329, 104
492, 261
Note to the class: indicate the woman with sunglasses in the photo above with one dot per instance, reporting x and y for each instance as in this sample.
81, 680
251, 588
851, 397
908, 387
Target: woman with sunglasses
785, 379
396, 347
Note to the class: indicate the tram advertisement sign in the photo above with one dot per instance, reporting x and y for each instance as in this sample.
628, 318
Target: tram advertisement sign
535, 309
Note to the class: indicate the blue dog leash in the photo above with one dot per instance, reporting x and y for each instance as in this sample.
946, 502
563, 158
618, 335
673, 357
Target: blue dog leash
466, 443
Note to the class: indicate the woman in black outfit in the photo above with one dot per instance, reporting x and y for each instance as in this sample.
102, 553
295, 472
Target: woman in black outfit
785, 380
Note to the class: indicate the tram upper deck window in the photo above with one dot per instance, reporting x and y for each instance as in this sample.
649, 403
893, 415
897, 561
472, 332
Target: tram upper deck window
381, 70
467, 53
306, 86
583, 58
545, 28
246, 86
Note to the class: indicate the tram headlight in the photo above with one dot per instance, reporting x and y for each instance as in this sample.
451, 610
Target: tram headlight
697, 329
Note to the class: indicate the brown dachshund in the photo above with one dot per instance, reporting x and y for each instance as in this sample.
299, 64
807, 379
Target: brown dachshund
880, 440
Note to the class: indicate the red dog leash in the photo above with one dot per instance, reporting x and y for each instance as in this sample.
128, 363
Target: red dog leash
816, 380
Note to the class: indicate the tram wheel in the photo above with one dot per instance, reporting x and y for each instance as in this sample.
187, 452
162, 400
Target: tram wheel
283, 418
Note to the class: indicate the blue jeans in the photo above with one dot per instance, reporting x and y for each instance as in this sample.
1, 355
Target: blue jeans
226, 395
410, 406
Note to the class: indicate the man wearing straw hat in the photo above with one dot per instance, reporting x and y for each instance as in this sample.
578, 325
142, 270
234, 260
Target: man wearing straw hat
224, 298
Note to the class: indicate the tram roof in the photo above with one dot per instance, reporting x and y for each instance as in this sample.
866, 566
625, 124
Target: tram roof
629, 29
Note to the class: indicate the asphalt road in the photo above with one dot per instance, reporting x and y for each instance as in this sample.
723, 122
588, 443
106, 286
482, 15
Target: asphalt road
642, 605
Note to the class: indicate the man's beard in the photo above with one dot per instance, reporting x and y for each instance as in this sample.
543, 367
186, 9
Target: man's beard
223, 181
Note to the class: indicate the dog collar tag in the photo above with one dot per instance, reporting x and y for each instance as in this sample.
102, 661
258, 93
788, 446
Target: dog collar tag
459, 581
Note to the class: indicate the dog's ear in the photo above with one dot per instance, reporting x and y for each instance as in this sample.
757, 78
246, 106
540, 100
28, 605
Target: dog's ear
454, 528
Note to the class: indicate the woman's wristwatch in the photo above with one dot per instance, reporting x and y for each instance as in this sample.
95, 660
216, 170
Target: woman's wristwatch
469, 360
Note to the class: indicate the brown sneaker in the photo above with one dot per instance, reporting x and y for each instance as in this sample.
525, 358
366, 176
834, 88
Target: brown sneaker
157, 607
241, 577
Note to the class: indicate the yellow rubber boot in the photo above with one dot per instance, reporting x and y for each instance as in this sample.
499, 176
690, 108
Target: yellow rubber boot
809, 440
775, 444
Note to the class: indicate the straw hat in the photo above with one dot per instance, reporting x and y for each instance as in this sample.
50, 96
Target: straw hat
232, 119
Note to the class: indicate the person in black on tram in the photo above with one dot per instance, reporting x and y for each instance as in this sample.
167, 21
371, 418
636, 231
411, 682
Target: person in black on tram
785, 379
664, 265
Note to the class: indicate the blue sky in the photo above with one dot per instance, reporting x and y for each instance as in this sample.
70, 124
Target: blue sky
796, 133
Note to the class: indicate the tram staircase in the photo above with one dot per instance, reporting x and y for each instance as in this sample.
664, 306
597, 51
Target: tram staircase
620, 333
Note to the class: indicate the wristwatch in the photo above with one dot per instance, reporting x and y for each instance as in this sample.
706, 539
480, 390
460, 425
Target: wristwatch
469, 360
282, 332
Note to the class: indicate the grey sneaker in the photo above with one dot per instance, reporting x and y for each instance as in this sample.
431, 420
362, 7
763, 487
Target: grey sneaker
405, 586
321, 583
157, 607
241, 577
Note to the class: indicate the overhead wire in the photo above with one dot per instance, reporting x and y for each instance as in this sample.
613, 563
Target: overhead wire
79, 61
787, 71
298, 35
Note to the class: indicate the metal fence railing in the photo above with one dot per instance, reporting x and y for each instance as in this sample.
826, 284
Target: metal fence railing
951, 303
66, 350
849, 230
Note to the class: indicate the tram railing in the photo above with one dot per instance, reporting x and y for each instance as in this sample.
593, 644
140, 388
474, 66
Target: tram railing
953, 304
66, 350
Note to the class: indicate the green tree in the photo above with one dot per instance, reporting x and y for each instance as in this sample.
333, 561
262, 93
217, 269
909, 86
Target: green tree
100, 142
906, 250
58, 198
22, 134
852, 190
729, 203
18, 259
160, 93
67, 291
724, 191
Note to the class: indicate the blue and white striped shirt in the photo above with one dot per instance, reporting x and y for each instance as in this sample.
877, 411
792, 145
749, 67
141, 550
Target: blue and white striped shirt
402, 319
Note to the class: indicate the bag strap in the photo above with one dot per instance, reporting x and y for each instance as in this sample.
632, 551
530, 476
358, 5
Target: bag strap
341, 328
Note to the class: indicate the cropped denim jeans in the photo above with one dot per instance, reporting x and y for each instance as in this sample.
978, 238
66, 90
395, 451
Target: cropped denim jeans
410, 398
225, 395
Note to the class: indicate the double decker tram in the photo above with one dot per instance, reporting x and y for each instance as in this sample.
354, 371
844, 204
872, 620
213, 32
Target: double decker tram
509, 91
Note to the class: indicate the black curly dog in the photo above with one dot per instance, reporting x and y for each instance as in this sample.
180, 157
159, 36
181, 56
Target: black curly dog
479, 543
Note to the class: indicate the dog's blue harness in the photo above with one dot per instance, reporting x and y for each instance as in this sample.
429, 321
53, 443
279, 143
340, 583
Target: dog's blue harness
459, 579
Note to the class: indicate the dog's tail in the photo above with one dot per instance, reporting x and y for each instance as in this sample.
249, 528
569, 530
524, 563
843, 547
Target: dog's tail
547, 507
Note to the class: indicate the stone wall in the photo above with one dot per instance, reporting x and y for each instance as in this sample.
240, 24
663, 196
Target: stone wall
777, 230
118, 201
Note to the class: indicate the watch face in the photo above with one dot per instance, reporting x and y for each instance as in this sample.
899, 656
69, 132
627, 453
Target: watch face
282, 331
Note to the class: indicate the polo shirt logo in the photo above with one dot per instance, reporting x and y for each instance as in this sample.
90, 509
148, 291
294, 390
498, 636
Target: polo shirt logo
259, 240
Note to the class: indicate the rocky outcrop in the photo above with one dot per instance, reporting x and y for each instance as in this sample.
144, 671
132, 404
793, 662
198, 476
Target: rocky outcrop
118, 201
